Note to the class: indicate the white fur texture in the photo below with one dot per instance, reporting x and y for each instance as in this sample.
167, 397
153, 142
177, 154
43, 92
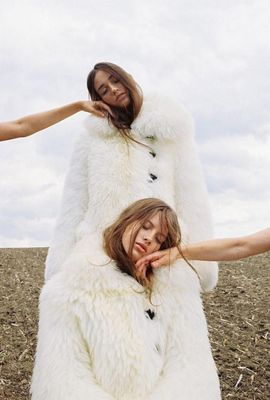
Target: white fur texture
106, 175
96, 342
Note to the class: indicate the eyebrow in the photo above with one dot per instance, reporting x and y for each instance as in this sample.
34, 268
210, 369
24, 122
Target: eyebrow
103, 84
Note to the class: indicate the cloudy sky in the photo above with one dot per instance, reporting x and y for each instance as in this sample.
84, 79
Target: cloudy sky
212, 56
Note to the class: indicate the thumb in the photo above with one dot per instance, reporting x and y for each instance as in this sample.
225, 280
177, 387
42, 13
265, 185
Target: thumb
155, 264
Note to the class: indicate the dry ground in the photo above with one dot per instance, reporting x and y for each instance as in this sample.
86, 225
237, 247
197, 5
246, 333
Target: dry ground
237, 312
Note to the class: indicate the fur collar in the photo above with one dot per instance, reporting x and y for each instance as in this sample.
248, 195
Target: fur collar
160, 118
88, 270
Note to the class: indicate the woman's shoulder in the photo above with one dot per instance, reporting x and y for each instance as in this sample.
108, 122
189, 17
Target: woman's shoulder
88, 272
163, 115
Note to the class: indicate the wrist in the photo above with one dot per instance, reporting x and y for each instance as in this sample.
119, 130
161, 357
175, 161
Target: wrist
175, 255
178, 255
80, 105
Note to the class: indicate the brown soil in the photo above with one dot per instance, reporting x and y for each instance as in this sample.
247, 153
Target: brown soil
237, 311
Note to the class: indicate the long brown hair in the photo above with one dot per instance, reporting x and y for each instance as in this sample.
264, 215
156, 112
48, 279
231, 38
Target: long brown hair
123, 117
137, 214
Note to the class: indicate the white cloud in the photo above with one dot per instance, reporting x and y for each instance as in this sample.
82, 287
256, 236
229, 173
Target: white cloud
213, 56
237, 169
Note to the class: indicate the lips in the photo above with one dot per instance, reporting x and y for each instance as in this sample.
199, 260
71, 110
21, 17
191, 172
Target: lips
121, 95
141, 246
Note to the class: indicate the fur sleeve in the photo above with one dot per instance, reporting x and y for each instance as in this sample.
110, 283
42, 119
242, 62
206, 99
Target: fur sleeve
192, 202
73, 207
62, 368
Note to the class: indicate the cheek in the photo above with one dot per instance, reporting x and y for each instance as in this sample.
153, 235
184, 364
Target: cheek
126, 238
156, 247
123, 88
125, 241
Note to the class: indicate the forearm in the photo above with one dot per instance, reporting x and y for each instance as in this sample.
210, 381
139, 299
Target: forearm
30, 124
214, 250
229, 249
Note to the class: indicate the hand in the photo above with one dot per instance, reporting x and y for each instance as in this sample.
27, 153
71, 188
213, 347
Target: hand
141, 272
98, 108
157, 259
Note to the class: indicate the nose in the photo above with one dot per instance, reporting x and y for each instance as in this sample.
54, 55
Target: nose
114, 89
148, 239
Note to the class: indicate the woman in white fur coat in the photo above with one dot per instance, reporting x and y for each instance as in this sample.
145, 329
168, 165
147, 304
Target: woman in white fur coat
145, 148
107, 333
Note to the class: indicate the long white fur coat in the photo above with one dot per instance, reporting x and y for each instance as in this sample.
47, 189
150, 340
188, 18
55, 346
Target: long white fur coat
106, 175
100, 338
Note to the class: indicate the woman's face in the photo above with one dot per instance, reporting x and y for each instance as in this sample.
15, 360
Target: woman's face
148, 239
111, 90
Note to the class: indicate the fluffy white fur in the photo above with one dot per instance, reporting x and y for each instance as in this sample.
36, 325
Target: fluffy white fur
96, 342
106, 175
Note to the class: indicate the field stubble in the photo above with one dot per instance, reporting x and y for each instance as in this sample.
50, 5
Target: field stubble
237, 313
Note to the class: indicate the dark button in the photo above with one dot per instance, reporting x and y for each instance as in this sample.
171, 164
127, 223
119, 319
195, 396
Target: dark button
150, 313
151, 137
153, 154
153, 177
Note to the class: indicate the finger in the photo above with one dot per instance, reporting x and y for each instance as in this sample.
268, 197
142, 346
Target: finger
108, 109
142, 267
153, 257
143, 273
99, 113
155, 264
103, 106
149, 258
162, 262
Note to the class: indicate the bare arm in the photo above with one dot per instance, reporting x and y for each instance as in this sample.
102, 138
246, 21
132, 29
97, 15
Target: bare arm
30, 124
229, 249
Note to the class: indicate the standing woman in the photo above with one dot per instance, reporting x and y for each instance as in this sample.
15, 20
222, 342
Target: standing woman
145, 148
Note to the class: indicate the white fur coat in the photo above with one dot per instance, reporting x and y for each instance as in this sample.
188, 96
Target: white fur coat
100, 338
106, 175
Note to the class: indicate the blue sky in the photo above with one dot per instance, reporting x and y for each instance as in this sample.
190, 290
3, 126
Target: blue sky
212, 56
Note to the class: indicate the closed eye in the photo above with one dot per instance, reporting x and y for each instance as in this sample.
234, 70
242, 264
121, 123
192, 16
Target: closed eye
146, 226
160, 239
113, 79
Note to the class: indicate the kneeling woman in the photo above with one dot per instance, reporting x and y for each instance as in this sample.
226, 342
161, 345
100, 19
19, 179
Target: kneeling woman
106, 332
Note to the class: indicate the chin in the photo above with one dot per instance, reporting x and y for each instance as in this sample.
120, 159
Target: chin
136, 256
125, 103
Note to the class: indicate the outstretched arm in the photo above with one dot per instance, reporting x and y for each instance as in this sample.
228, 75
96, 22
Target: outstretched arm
30, 124
230, 249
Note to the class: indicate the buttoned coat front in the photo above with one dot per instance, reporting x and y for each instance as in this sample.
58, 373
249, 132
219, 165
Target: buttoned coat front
101, 338
106, 175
